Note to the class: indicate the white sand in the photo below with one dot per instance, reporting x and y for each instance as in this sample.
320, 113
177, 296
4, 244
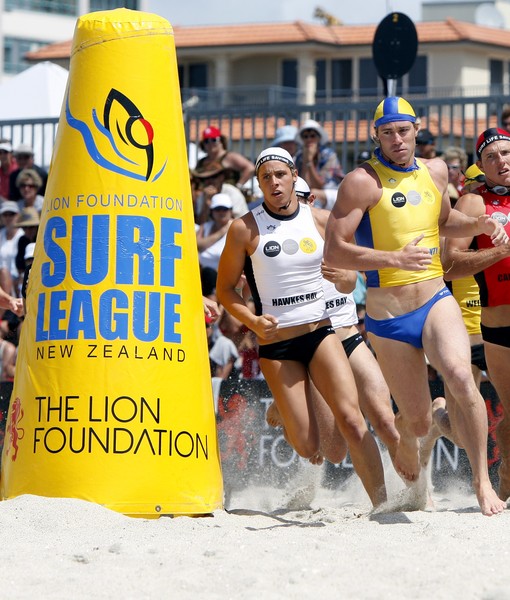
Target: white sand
261, 548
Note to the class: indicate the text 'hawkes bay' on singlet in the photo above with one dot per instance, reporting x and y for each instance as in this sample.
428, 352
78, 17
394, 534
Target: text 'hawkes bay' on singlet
284, 272
409, 206
494, 281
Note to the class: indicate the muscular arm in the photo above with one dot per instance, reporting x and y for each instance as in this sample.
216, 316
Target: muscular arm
458, 260
204, 242
344, 279
230, 269
358, 192
240, 163
466, 223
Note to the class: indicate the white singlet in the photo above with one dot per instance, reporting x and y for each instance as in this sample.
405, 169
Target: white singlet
284, 272
341, 307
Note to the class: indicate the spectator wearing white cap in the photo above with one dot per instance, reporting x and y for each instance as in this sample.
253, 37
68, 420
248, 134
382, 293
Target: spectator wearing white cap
9, 238
316, 162
24, 155
212, 234
8, 164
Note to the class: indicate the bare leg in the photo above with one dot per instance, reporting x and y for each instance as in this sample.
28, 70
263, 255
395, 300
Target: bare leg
332, 444
411, 393
330, 371
446, 343
374, 397
498, 358
287, 381
440, 426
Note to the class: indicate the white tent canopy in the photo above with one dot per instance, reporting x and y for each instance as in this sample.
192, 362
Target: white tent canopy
36, 93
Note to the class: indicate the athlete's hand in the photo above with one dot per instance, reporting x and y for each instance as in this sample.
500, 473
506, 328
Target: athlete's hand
413, 257
344, 280
266, 327
494, 229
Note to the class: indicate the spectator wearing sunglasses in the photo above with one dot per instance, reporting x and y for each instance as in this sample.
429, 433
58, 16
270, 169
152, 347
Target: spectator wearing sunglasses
29, 183
24, 156
456, 160
317, 163
238, 169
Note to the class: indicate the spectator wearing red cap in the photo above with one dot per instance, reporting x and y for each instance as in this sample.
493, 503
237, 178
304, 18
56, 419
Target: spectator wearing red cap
476, 255
238, 169
8, 164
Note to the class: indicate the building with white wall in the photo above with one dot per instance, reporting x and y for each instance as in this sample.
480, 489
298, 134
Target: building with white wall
26, 25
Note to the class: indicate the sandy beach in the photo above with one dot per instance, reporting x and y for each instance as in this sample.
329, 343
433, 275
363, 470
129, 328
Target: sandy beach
296, 541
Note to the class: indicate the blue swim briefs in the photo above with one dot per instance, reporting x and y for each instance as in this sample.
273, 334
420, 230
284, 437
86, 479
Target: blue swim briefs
408, 327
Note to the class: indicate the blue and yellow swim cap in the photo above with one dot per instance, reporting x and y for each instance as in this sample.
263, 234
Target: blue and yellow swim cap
393, 109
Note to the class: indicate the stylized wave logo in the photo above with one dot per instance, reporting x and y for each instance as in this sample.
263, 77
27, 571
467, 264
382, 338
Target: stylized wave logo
123, 131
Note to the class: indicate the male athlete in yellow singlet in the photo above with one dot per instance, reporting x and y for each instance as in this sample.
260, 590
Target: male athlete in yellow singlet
397, 207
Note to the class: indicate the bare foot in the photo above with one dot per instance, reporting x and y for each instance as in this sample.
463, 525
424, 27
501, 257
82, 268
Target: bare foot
429, 441
489, 502
317, 459
273, 418
407, 455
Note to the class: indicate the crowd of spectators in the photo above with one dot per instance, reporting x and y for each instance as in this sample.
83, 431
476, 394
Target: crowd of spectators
224, 187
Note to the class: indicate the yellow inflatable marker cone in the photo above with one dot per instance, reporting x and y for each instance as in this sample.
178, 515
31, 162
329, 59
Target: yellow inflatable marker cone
112, 399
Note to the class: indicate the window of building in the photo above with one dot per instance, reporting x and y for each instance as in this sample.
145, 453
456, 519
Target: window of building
290, 73
341, 78
60, 7
194, 75
496, 75
417, 77
289, 79
369, 82
197, 75
111, 4
333, 78
14, 52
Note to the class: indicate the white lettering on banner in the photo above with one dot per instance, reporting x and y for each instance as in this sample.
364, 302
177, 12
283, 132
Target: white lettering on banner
96, 200
441, 450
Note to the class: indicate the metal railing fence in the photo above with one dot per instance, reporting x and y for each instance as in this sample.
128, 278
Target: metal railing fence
248, 129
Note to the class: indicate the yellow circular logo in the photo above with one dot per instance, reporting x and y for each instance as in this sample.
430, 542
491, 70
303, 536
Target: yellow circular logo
308, 246
428, 197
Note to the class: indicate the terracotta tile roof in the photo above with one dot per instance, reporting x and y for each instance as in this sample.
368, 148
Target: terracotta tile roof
340, 131
299, 32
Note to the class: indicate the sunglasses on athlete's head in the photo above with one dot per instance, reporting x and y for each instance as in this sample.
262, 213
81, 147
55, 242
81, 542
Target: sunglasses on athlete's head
478, 179
211, 140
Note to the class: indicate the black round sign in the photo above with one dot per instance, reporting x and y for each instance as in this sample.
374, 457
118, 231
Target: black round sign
395, 46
